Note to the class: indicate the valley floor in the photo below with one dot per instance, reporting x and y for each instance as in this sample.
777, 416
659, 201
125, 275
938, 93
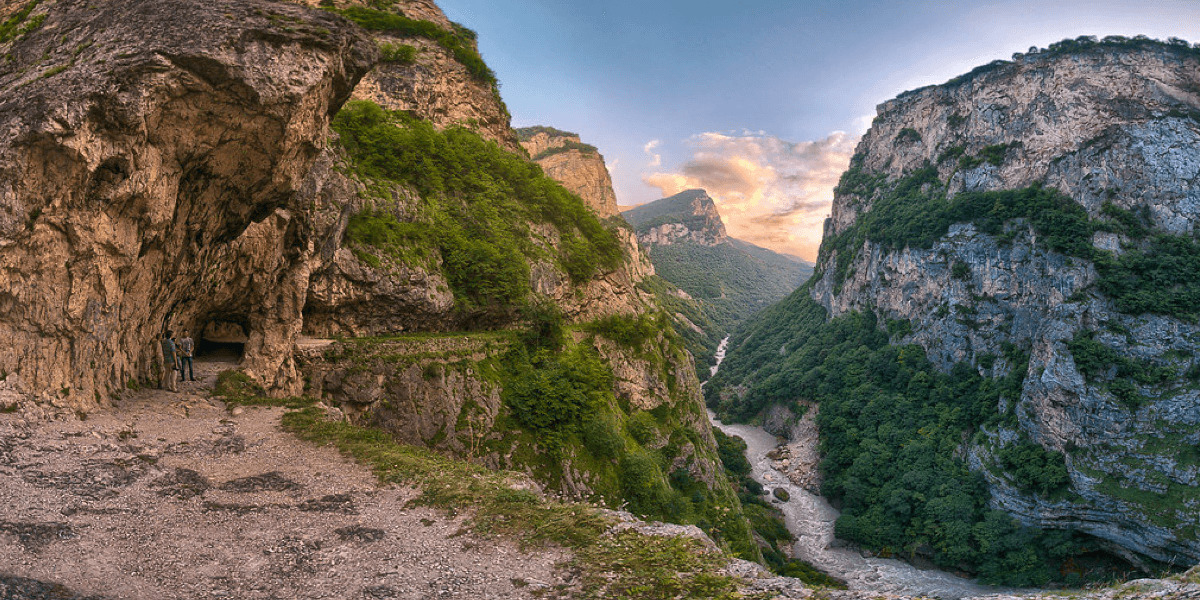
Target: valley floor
169, 495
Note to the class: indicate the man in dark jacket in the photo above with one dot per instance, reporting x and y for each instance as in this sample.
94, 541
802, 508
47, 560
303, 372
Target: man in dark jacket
170, 363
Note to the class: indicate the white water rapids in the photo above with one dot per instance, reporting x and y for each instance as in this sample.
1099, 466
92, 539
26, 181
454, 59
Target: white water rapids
810, 519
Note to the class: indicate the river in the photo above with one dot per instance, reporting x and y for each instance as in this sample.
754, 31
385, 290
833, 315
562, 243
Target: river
810, 518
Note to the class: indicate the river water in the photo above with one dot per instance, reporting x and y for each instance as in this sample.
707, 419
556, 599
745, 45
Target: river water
810, 518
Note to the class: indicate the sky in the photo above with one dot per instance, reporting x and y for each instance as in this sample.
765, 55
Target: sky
759, 102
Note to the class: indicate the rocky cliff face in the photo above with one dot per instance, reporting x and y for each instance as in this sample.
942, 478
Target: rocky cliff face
579, 167
1114, 128
153, 149
434, 85
687, 216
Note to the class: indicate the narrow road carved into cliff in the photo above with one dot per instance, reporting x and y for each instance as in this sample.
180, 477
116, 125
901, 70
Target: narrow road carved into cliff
171, 496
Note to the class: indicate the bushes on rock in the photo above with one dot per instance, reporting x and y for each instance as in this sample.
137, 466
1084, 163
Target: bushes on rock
602, 437
478, 202
459, 42
1035, 469
398, 54
550, 393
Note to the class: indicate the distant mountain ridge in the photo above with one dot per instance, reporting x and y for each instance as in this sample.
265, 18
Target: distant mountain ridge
729, 279
690, 214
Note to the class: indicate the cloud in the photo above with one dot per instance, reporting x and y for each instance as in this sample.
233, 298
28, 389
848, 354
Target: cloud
655, 158
771, 192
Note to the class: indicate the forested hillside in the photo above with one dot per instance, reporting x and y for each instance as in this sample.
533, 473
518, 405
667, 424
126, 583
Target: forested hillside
725, 280
1001, 336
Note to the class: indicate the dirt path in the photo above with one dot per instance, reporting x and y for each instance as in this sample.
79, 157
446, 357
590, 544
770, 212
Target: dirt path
170, 496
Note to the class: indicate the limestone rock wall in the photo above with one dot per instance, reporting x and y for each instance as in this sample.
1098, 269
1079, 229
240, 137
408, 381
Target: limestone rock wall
152, 149
1099, 124
583, 173
436, 88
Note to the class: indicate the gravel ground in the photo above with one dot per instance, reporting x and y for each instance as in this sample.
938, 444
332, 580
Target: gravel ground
169, 496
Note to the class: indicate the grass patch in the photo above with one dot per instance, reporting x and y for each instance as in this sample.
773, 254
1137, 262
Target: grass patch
239, 389
16, 25
636, 566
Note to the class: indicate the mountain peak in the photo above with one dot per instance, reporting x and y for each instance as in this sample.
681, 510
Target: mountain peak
690, 214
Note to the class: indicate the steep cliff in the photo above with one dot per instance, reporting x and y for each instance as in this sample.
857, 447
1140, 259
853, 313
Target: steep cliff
173, 165
430, 66
723, 280
154, 149
578, 166
1029, 227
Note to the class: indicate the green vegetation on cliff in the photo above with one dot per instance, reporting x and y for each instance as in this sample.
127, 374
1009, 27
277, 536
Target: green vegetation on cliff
525, 134
567, 146
560, 394
560, 419
460, 42
892, 436
19, 23
1157, 274
477, 205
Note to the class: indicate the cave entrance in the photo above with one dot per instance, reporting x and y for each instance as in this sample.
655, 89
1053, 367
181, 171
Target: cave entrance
221, 341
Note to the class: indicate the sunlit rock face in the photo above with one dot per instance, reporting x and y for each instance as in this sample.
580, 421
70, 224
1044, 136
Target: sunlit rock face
579, 167
151, 151
1106, 124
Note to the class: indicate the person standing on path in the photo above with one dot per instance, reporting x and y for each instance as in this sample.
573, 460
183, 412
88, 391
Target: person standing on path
186, 347
170, 363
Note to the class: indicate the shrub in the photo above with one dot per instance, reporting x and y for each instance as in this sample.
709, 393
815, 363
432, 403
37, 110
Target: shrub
908, 135
1035, 469
602, 437
1102, 365
400, 54
642, 428
996, 153
550, 393
478, 201
645, 488
627, 330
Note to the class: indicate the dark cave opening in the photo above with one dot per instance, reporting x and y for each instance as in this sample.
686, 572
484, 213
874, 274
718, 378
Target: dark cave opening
221, 341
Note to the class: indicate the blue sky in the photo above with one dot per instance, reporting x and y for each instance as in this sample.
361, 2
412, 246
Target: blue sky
745, 91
